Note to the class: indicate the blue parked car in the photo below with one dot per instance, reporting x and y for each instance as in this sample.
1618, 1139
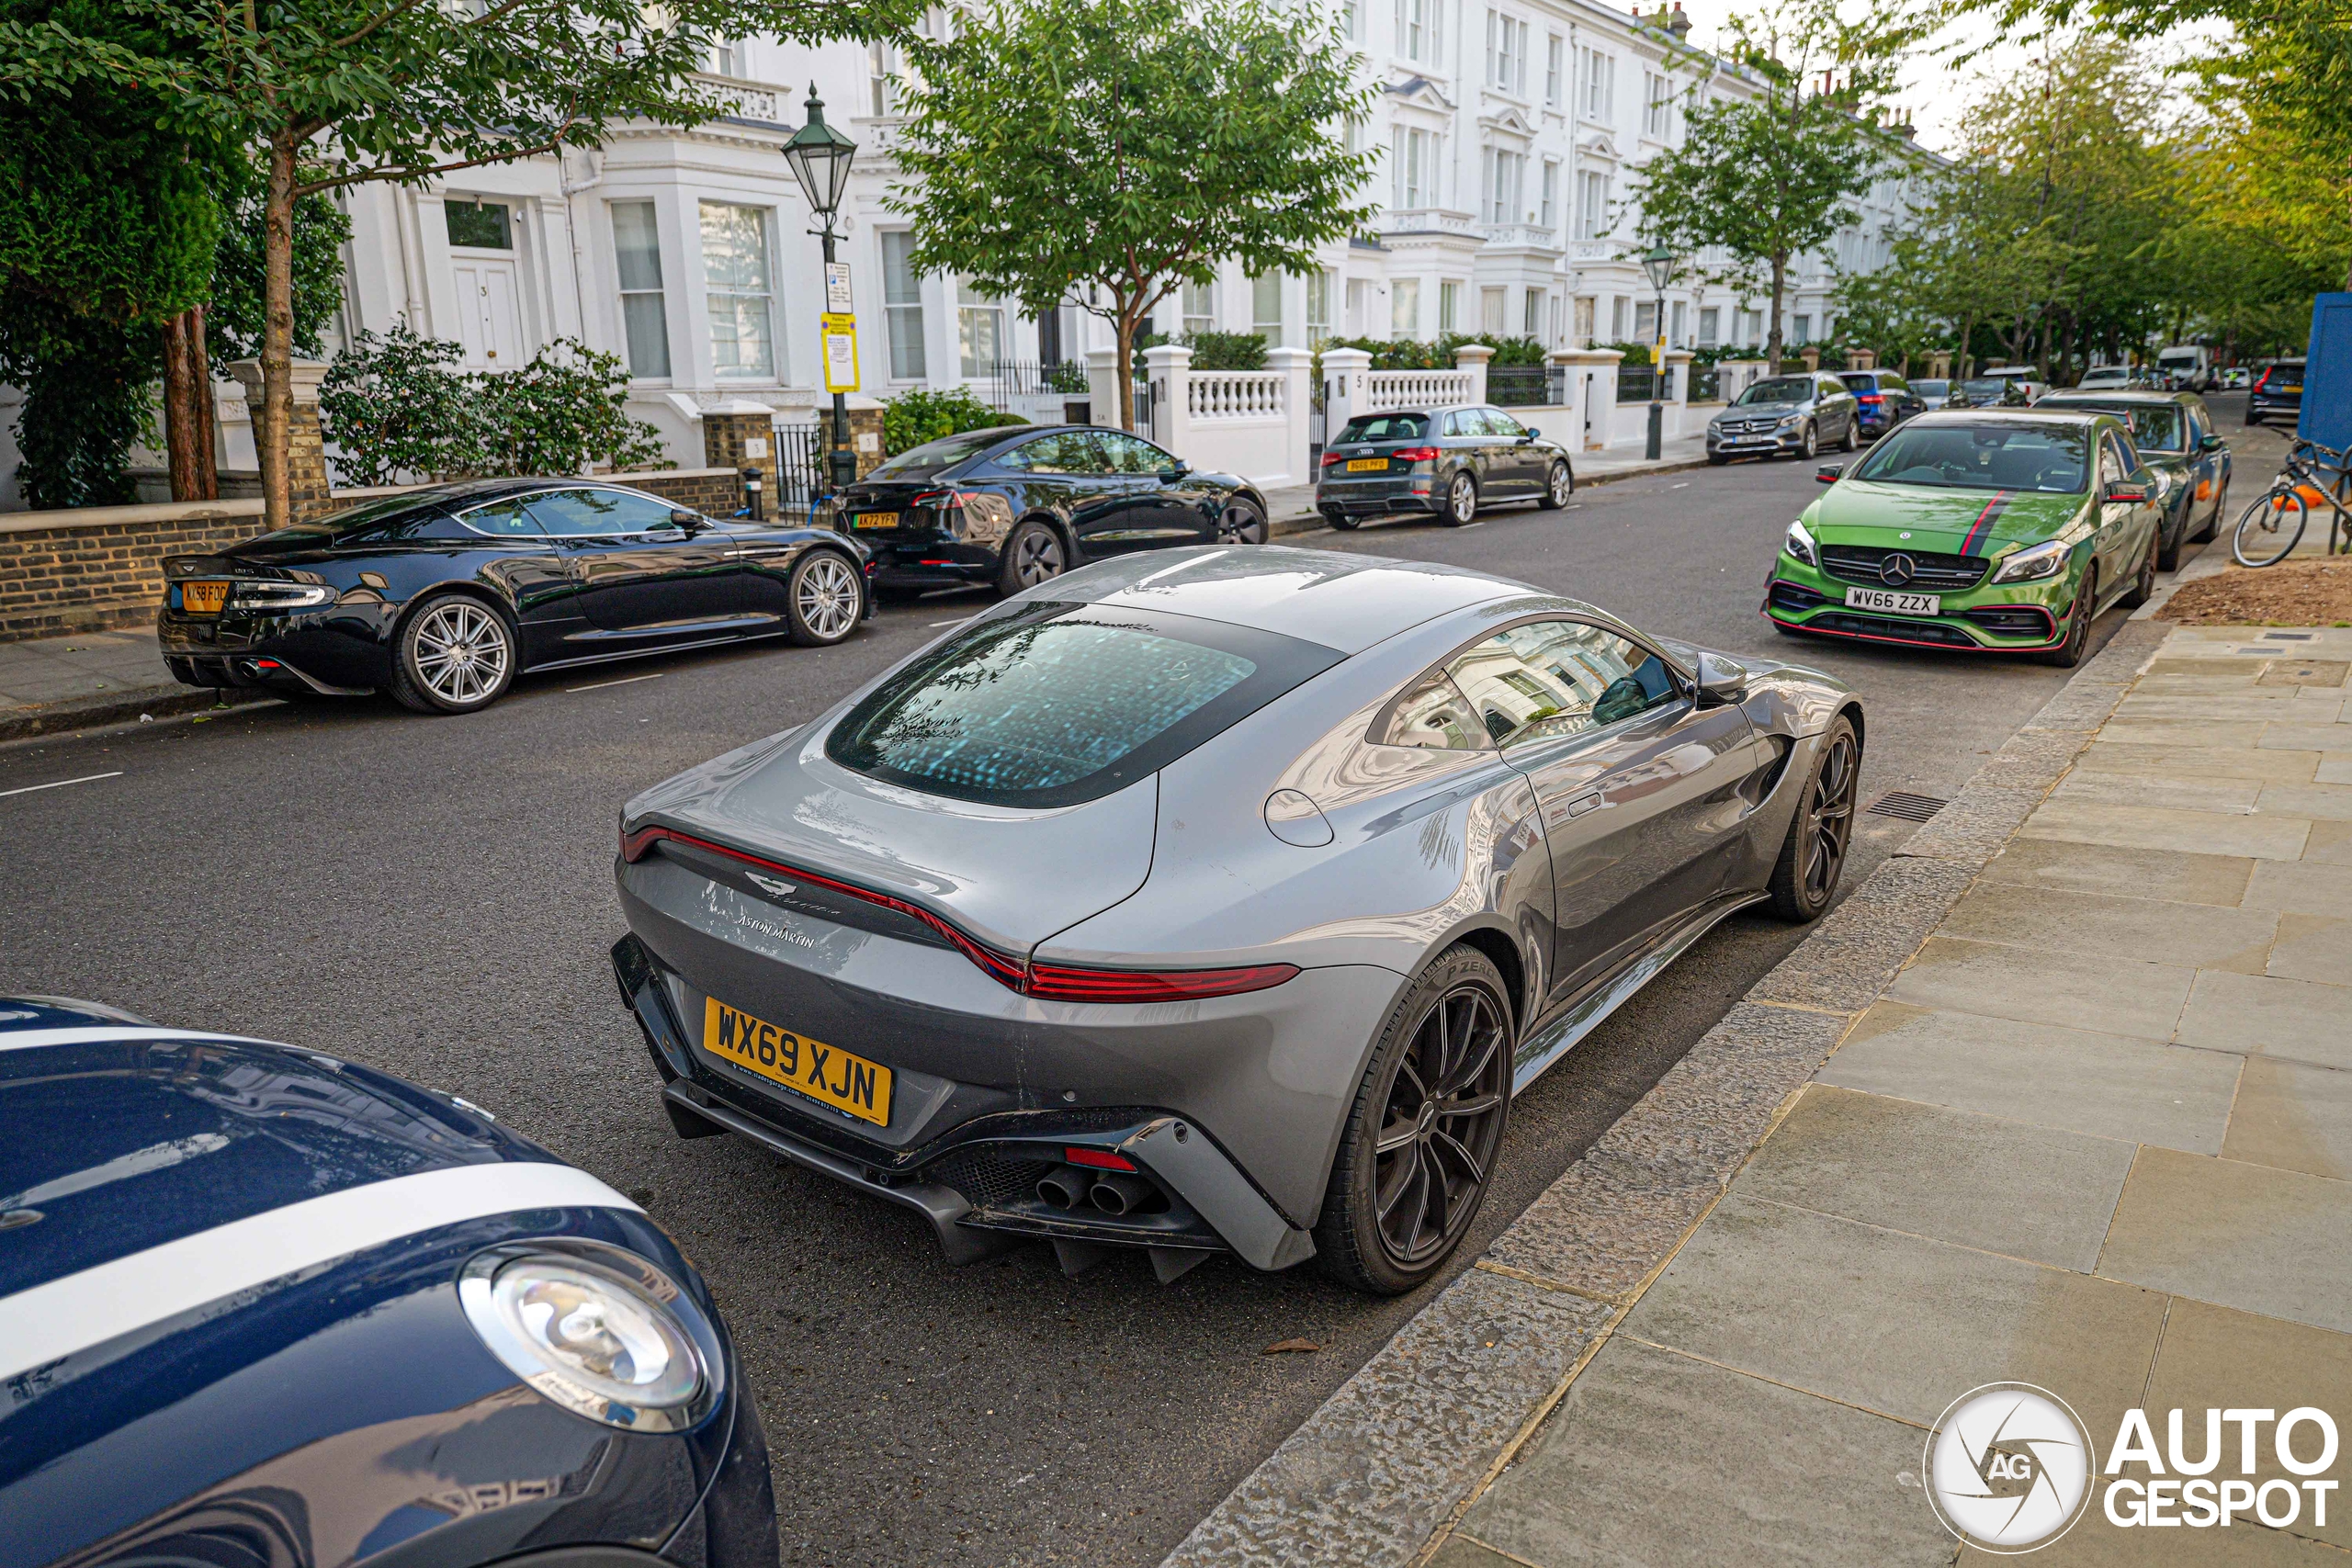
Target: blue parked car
262, 1307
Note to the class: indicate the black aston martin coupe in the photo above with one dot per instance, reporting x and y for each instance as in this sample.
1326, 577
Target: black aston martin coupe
441, 595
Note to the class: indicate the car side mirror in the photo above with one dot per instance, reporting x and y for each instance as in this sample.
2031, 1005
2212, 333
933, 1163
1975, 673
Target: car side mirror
1532, 433
1175, 470
2208, 442
1722, 682
1828, 472
2131, 489
692, 522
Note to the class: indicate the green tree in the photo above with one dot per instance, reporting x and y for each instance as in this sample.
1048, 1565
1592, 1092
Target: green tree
1768, 178
108, 224
1108, 151
240, 267
399, 90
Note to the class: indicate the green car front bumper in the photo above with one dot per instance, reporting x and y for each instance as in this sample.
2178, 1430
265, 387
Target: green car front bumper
2012, 618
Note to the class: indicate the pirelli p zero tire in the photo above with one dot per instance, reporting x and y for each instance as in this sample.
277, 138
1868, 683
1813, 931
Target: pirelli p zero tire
454, 654
1418, 1149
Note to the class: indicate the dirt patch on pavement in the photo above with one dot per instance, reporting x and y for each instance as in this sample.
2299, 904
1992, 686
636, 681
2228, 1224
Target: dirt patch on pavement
2293, 594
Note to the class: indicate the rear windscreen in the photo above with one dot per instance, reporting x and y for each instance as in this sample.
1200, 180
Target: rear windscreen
1059, 703
1386, 427
920, 463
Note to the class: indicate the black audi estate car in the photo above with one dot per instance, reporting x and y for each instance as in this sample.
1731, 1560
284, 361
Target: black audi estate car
440, 595
1448, 460
1013, 507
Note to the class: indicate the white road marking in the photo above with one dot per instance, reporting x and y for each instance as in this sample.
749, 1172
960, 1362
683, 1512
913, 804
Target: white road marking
626, 681
60, 784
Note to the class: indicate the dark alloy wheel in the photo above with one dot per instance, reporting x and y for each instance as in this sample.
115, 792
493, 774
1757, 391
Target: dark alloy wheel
1558, 485
1813, 856
1241, 523
1418, 1149
2069, 653
1033, 555
1461, 502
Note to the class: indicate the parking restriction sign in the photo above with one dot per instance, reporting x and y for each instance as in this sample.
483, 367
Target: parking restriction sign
839, 334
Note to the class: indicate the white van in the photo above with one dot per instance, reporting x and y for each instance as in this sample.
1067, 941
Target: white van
2187, 365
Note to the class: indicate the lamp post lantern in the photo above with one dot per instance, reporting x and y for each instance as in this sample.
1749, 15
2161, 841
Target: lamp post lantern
819, 157
1659, 265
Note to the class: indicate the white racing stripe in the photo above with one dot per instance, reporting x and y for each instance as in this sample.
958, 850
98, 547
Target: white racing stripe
25, 1039
89, 1308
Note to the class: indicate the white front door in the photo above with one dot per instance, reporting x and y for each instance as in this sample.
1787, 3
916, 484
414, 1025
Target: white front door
488, 323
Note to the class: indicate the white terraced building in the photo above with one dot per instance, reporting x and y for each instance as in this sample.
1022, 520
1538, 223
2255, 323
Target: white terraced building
1512, 129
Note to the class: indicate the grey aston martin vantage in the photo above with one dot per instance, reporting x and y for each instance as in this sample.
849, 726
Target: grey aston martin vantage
1215, 899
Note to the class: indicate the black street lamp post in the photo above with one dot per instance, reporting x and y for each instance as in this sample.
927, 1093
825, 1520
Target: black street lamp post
1659, 265
819, 157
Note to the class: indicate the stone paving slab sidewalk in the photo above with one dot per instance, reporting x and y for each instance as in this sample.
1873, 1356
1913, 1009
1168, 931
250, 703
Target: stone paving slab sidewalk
2061, 1094
50, 686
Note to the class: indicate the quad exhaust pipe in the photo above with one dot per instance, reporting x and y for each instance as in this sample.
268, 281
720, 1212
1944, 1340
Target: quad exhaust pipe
1112, 1193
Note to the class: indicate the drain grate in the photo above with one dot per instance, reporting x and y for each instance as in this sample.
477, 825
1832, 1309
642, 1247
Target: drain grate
1910, 807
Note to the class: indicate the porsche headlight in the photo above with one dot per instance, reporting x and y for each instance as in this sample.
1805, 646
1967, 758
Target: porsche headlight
2032, 565
609, 1339
1800, 544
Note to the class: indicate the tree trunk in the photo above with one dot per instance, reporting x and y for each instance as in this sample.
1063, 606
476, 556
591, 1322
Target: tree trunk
274, 420
1772, 343
187, 408
1125, 327
1960, 354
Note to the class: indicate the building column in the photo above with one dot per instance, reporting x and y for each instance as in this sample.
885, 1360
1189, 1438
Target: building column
306, 458
1103, 383
1473, 358
740, 433
1167, 368
1298, 367
1346, 389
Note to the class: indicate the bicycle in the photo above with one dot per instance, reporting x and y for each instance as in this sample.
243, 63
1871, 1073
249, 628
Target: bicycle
2271, 526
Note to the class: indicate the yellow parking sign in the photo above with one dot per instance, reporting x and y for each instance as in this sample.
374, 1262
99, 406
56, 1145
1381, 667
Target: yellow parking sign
839, 336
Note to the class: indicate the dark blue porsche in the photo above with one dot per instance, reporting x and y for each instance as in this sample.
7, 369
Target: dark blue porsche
262, 1308
441, 595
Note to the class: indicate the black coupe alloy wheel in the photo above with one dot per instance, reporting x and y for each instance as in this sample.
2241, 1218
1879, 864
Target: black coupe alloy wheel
1420, 1143
1443, 1122
1813, 857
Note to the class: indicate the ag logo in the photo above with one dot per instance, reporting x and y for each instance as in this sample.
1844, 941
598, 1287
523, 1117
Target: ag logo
2009, 1467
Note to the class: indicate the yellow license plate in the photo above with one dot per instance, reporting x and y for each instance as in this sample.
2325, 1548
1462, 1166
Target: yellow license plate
1366, 465
2296, 388
877, 520
826, 1074
204, 598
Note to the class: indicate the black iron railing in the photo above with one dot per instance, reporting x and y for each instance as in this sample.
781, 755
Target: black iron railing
1011, 378
800, 466
1518, 385
1640, 383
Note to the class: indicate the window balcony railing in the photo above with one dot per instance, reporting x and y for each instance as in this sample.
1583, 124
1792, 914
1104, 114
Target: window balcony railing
1531, 235
1593, 249
746, 100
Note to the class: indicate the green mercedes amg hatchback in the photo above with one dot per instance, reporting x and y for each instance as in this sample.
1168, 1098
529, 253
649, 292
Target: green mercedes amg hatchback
1977, 529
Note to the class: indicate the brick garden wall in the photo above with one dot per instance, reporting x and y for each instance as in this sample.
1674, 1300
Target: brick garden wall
99, 567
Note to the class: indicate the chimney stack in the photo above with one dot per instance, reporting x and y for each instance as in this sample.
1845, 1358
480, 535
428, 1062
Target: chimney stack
1678, 23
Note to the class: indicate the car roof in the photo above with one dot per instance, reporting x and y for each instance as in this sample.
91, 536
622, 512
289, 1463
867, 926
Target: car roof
2127, 395
1340, 598
2037, 415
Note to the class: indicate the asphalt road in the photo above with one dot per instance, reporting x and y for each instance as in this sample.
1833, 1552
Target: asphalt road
435, 897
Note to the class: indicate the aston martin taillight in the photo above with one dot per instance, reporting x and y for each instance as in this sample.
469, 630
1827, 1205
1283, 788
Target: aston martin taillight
1051, 982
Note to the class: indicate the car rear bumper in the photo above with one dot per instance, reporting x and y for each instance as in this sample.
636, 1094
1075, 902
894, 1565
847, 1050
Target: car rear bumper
338, 649
2019, 617
1380, 495
1263, 1079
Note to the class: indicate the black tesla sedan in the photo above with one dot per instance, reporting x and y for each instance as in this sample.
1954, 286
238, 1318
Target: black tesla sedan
1449, 461
440, 595
1013, 507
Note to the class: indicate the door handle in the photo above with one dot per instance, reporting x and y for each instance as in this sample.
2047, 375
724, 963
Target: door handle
1584, 803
